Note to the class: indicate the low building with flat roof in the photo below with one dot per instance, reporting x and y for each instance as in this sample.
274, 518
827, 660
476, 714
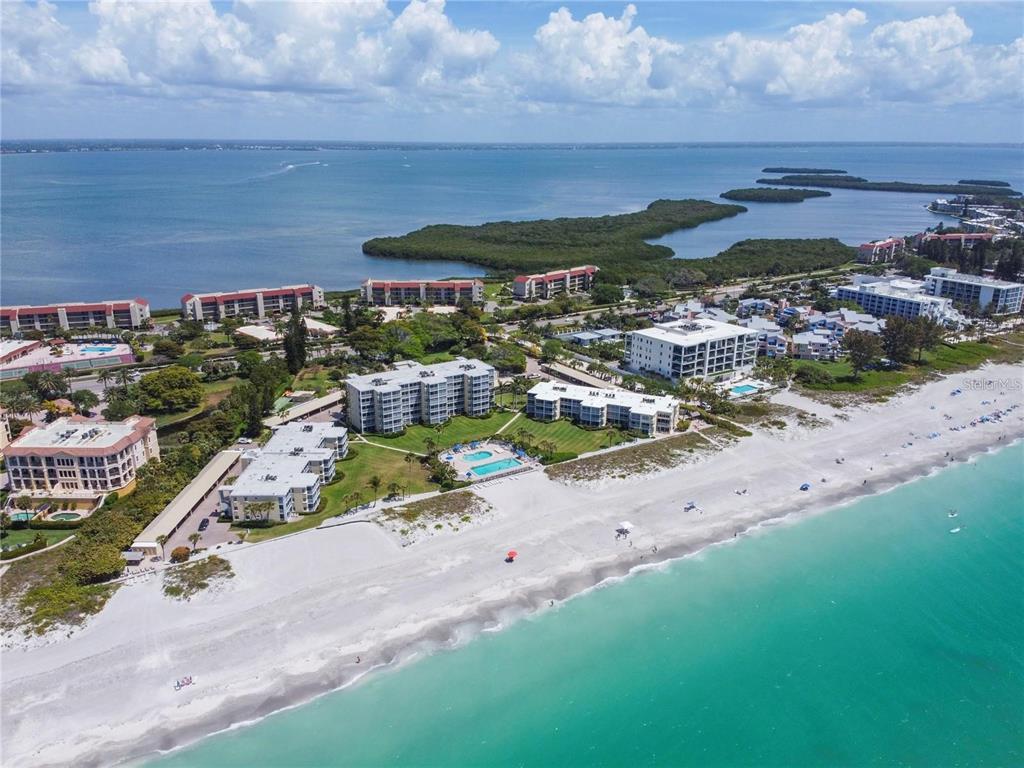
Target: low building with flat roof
897, 297
260, 333
284, 478
250, 302
74, 454
698, 348
184, 504
33, 357
412, 393
125, 314
595, 408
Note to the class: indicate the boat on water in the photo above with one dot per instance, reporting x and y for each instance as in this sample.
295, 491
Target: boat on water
951, 513
955, 530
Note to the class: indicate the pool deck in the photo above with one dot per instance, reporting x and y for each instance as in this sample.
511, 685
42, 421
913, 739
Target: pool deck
498, 451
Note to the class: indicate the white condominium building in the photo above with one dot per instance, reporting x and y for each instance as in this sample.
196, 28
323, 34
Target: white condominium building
900, 297
412, 393
285, 476
649, 414
75, 454
251, 302
1001, 296
692, 348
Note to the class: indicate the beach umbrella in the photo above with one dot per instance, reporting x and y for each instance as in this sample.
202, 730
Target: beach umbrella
512, 554
626, 526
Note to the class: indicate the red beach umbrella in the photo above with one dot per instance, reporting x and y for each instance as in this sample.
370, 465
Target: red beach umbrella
512, 554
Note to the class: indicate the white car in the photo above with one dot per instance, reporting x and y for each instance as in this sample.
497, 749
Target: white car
244, 441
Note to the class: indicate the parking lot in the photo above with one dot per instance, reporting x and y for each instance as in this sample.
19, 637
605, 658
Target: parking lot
216, 533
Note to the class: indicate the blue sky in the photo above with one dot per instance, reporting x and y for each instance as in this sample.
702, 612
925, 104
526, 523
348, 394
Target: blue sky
514, 71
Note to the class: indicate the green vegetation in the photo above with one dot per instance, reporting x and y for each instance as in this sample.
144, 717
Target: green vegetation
450, 509
772, 195
24, 536
753, 258
614, 243
983, 183
563, 436
420, 438
855, 182
649, 456
802, 170
350, 488
185, 582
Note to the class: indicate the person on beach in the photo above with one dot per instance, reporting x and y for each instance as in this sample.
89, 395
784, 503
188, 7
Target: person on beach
359, 659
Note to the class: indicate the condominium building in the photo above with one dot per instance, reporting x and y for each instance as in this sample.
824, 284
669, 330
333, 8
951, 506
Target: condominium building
686, 348
897, 297
76, 454
285, 476
1000, 296
589, 407
412, 393
386, 293
551, 284
251, 302
771, 341
820, 344
126, 314
881, 251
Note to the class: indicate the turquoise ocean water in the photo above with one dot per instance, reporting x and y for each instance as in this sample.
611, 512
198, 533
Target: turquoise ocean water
868, 636
158, 224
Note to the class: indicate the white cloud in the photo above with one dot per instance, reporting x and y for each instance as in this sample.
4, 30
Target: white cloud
419, 59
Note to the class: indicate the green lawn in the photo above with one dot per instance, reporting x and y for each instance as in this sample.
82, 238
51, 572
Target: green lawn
460, 429
315, 378
493, 290
215, 391
26, 535
566, 435
435, 357
369, 460
945, 358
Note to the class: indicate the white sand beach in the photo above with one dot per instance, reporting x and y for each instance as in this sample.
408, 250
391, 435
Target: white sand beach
302, 609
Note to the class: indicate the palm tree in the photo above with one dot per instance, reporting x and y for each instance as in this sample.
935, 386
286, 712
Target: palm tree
105, 377
393, 489
66, 374
409, 459
431, 445
194, 538
161, 540
124, 378
374, 482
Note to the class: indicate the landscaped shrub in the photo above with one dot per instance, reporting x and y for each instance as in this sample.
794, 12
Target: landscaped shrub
37, 544
812, 376
558, 457
180, 554
54, 525
351, 454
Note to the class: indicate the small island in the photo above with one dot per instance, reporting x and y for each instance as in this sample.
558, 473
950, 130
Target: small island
984, 183
784, 169
856, 182
773, 195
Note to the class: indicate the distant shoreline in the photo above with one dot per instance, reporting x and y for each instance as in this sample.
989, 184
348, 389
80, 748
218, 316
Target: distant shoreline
50, 146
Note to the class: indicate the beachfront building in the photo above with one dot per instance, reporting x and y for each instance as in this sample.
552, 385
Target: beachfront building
126, 314
683, 349
412, 393
595, 408
819, 344
386, 293
251, 302
897, 297
771, 341
550, 284
881, 251
285, 476
999, 296
76, 454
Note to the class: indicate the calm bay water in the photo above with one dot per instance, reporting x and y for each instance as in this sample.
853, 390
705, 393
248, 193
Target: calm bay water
869, 636
158, 224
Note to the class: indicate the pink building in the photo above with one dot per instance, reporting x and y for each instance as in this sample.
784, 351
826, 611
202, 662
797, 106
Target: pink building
388, 292
544, 286
130, 314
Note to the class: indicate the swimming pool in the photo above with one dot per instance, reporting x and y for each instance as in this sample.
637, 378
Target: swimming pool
19, 516
98, 348
495, 466
66, 516
745, 389
478, 456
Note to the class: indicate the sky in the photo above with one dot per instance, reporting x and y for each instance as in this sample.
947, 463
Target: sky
430, 70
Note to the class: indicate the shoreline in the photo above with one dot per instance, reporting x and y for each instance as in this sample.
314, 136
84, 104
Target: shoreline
437, 610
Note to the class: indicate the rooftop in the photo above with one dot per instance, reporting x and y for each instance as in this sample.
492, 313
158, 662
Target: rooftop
76, 434
637, 401
960, 277
693, 331
274, 474
408, 372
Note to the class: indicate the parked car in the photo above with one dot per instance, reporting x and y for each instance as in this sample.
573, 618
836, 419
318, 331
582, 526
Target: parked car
244, 441
204, 524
